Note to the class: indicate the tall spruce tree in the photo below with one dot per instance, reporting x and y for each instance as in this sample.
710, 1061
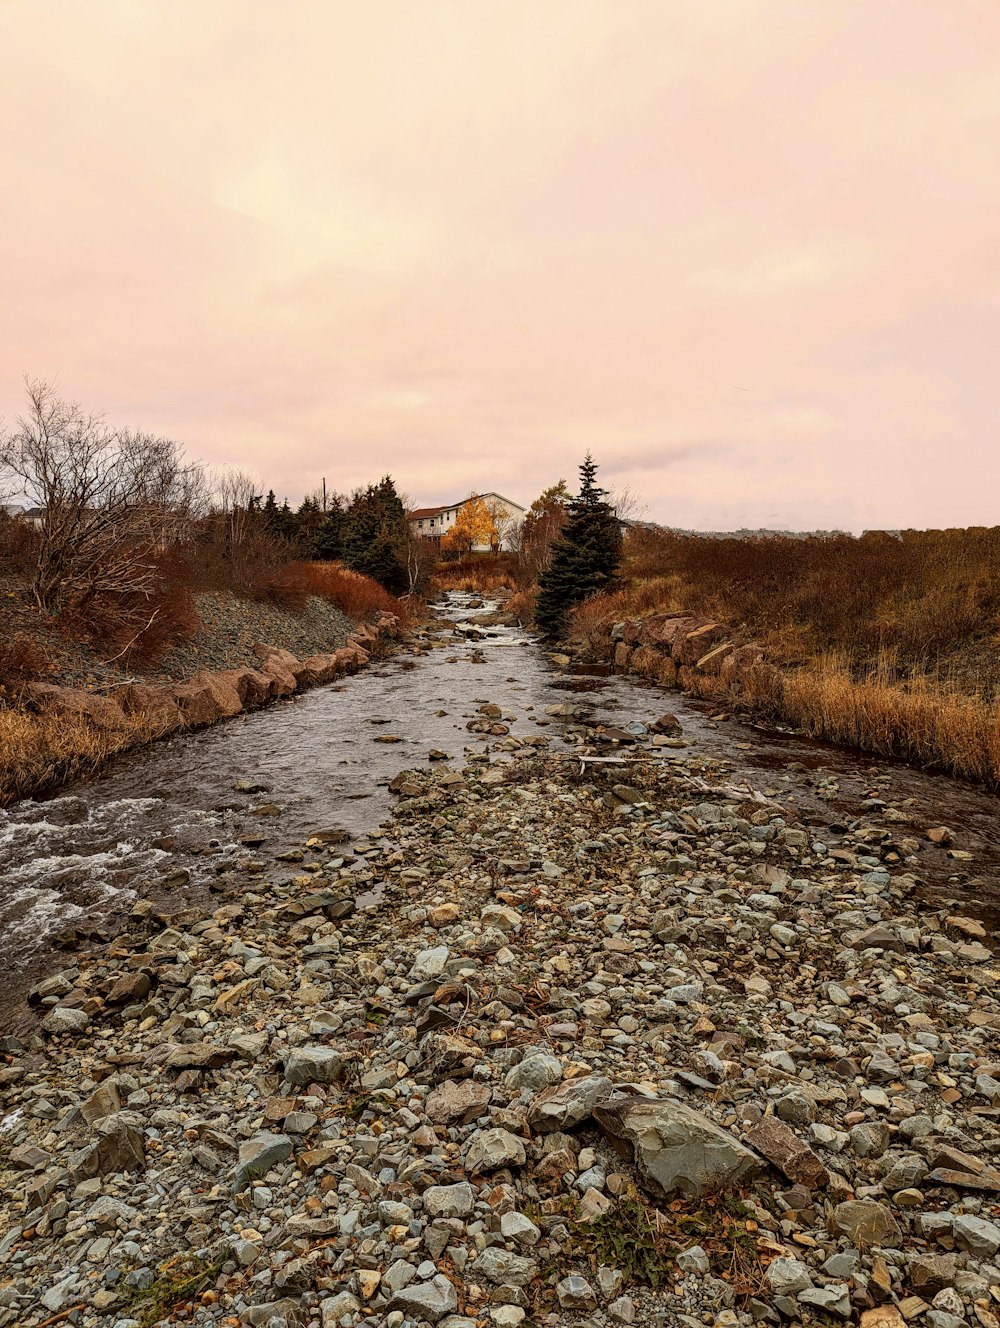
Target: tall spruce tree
585, 557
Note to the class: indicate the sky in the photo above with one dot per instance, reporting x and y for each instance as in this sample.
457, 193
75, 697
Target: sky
746, 252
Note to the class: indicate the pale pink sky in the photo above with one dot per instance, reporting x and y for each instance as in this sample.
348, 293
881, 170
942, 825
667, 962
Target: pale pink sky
746, 251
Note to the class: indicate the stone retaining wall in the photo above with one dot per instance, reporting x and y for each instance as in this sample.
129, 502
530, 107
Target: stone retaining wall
208, 697
680, 650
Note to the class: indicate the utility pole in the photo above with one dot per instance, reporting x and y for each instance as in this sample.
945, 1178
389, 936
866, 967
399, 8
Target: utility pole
324, 495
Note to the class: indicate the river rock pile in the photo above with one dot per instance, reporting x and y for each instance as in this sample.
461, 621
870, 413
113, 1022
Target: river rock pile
613, 1046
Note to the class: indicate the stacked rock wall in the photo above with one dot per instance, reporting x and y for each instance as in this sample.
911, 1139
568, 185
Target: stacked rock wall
208, 697
679, 650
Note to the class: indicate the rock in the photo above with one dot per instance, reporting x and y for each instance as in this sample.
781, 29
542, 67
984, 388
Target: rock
787, 1277
834, 1299
519, 1228
258, 1155
490, 1150
457, 1102
930, 1273
567, 1104
504, 1268
576, 1293
429, 963
535, 1072
694, 1260
313, 1065
120, 1147
784, 1149
449, 1200
64, 1019
976, 1235
865, 1221
429, 1301
676, 1150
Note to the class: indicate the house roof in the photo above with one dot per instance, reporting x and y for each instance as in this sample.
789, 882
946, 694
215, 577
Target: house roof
422, 512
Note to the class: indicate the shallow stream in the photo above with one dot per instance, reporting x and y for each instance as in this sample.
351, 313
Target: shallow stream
167, 823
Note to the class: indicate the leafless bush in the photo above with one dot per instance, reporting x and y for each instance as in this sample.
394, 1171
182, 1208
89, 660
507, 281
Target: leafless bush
111, 500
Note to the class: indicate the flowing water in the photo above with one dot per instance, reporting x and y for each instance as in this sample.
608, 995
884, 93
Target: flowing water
166, 823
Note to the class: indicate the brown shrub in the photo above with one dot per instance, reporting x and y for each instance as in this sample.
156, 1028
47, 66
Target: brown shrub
22, 660
133, 630
358, 597
19, 544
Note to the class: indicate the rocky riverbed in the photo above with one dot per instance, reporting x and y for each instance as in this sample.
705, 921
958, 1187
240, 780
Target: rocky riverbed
614, 1043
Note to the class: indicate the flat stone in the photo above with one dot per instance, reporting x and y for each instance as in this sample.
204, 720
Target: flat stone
676, 1150
457, 1102
865, 1220
449, 1200
567, 1104
258, 1155
976, 1235
791, 1155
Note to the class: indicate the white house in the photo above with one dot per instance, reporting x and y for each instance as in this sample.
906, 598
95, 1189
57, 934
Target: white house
435, 522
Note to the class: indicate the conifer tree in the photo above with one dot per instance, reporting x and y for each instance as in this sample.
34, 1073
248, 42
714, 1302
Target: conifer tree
375, 535
328, 544
585, 557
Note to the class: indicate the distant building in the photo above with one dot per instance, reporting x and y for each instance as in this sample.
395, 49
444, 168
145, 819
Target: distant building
435, 522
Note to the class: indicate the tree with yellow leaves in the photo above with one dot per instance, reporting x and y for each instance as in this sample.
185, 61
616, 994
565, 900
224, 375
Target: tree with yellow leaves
474, 527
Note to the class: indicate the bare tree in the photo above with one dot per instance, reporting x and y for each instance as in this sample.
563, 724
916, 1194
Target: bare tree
111, 500
235, 494
505, 525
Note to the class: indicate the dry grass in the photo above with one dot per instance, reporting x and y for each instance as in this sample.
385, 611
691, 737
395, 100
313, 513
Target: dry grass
922, 596
921, 720
40, 751
889, 645
480, 573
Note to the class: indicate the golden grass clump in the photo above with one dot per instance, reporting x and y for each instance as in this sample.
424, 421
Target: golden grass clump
40, 751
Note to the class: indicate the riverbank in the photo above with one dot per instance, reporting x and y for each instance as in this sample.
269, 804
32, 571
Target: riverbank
871, 711
887, 643
242, 656
620, 1047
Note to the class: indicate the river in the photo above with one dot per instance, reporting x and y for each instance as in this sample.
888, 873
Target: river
167, 822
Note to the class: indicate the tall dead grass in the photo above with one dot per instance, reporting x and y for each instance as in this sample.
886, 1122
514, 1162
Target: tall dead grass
479, 573
920, 720
882, 643
40, 751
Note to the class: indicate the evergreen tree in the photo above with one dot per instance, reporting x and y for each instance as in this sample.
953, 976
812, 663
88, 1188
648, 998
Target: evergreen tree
328, 544
309, 520
287, 523
375, 535
270, 511
585, 557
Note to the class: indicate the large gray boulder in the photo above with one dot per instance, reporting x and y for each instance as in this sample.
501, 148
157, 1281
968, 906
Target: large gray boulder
676, 1150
